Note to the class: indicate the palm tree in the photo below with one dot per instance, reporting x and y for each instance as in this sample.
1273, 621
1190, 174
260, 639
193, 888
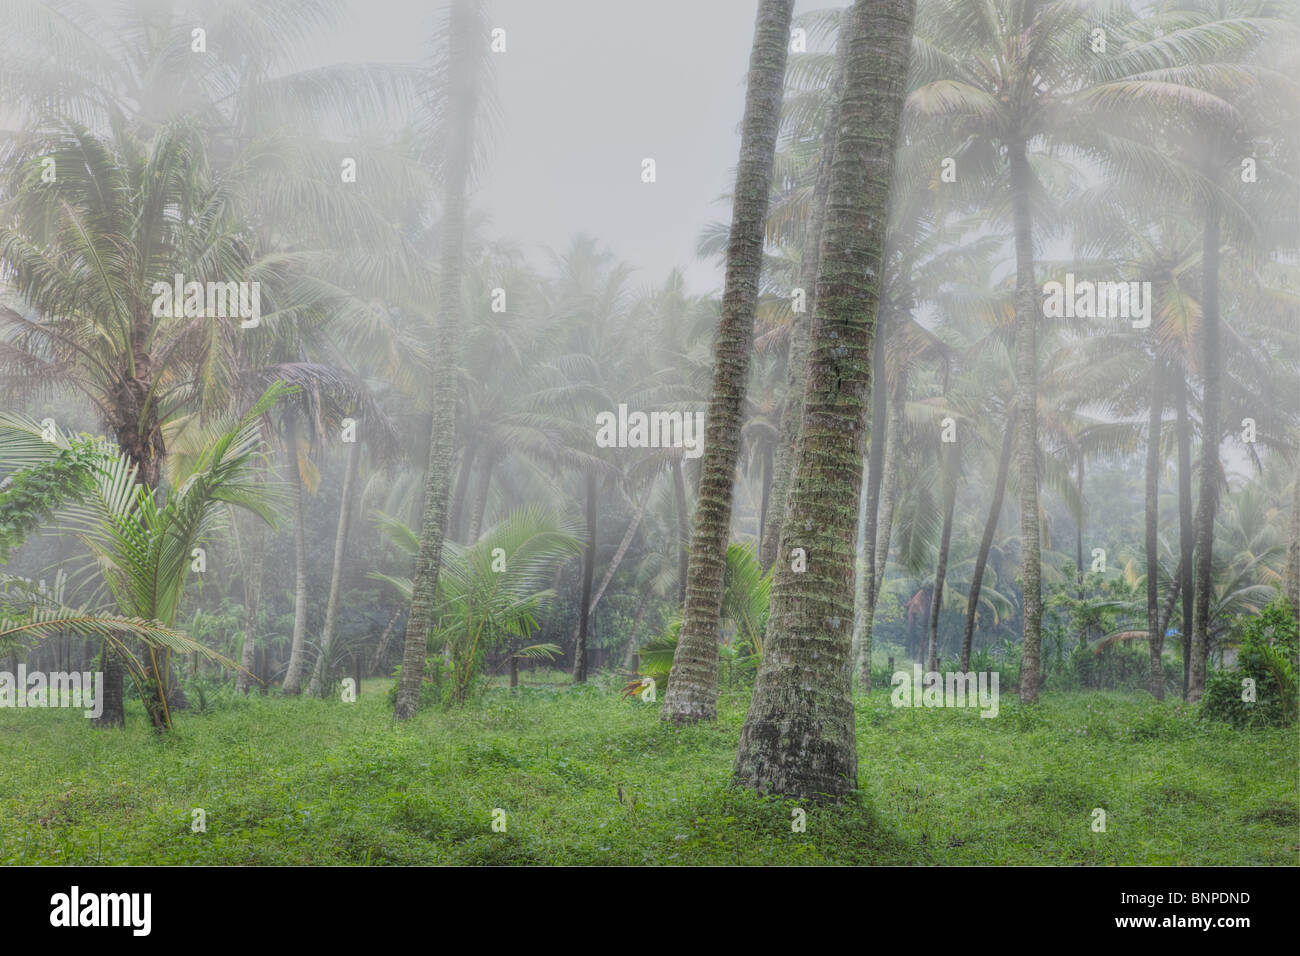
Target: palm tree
457, 122
798, 738
693, 686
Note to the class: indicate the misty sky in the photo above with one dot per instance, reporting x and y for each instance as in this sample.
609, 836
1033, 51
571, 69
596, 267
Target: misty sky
589, 88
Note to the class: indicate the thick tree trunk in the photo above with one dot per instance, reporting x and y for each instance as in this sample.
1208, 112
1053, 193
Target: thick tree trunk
1155, 636
693, 682
950, 477
461, 102
114, 708
321, 672
588, 574
1207, 502
1186, 543
986, 542
293, 674
1027, 316
798, 738
796, 372
879, 437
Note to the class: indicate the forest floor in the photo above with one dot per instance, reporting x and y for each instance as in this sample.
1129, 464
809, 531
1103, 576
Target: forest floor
327, 782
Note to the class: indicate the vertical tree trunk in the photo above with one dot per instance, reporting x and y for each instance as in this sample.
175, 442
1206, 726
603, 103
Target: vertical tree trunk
588, 575
986, 542
951, 474
254, 538
461, 104
683, 529
796, 372
693, 682
481, 496
1293, 554
1027, 316
1078, 529
1186, 543
114, 707
293, 675
798, 738
383, 641
1208, 501
766, 493
879, 438
1155, 636
466, 470
630, 656
617, 559
321, 672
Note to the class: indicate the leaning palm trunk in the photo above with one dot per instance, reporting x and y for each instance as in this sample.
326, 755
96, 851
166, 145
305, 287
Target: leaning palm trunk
986, 542
293, 673
941, 568
1209, 497
797, 361
693, 682
481, 497
462, 101
1155, 636
1027, 420
321, 672
798, 738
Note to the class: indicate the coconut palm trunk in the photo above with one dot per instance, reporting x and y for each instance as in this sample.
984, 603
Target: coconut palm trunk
950, 476
481, 496
1207, 502
1293, 554
797, 361
693, 682
879, 437
1155, 637
254, 540
986, 542
297, 649
1027, 315
683, 528
588, 575
461, 104
798, 738
320, 674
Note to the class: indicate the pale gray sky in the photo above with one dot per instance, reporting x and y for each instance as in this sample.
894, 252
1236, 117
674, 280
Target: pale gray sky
589, 88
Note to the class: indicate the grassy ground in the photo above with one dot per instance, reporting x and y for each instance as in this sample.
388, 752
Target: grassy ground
318, 782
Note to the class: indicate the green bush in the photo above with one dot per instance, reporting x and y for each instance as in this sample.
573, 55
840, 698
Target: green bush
1267, 652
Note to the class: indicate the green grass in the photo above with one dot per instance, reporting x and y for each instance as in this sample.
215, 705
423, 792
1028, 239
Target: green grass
313, 782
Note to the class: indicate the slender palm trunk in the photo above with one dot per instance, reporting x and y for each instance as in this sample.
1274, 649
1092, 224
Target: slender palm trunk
693, 682
321, 672
254, 539
382, 645
462, 102
463, 475
1078, 528
765, 496
617, 559
796, 372
798, 738
986, 541
588, 574
481, 496
950, 478
888, 497
1186, 543
630, 656
1208, 501
1293, 553
683, 529
1027, 420
879, 437
1175, 588
293, 673
1155, 637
